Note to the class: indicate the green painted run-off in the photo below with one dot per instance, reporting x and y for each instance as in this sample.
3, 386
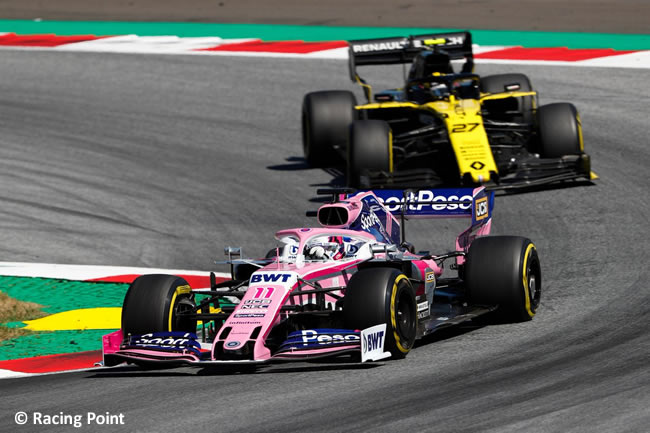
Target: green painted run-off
63, 295
275, 32
57, 296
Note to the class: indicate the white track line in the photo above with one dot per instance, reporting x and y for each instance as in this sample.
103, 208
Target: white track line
8, 374
148, 44
87, 272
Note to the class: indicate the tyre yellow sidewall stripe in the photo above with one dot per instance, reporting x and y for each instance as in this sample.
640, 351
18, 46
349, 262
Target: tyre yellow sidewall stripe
180, 290
528, 301
393, 313
582, 143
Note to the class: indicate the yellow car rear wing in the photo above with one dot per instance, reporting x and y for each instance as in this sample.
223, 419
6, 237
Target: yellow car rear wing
401, 50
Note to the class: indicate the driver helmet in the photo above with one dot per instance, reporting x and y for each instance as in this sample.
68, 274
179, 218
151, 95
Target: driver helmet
439, 90
290, 248
321, 250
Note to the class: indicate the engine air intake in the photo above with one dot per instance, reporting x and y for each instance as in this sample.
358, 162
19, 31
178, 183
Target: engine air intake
333, 216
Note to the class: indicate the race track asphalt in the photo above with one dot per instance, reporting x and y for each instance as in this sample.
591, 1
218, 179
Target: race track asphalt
163, 160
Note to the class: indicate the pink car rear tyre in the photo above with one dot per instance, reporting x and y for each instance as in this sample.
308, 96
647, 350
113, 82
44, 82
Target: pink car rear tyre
504, 271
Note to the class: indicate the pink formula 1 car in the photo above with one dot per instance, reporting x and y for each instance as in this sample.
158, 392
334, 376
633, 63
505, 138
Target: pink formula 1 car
350, 287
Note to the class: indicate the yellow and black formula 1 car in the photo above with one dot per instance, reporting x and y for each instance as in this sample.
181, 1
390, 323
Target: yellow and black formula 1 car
442, 127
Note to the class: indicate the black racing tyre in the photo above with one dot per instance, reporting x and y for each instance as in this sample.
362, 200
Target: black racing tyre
505, 83
383, 295
370, 148
504, 271
560, 131
152, 302
326, 119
